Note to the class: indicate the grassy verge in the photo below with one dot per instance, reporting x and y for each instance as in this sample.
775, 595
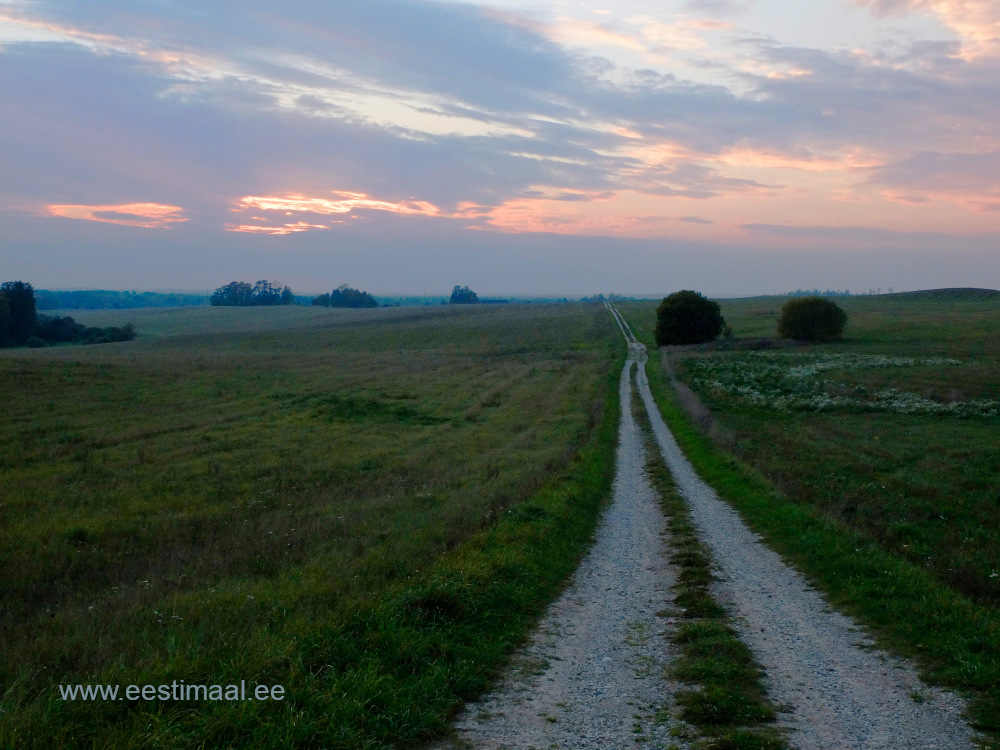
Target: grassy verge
725, 700
357, 509
955, 641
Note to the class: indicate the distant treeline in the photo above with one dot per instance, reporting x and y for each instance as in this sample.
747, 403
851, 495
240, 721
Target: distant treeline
601, 298
21, 325
818, 293
245, 294
345, 296
102, 299
410, 301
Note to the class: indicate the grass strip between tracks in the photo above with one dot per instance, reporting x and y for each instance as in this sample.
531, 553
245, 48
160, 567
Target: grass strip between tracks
955, 642
725, 700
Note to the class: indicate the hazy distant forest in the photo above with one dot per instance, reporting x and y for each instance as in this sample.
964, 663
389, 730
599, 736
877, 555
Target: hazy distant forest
243, 294
102, 299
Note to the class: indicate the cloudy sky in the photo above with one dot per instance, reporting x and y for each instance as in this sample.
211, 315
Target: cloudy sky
518, 146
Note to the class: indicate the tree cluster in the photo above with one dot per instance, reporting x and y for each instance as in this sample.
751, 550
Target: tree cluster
21, 325
245, 294
345, 296
462, 295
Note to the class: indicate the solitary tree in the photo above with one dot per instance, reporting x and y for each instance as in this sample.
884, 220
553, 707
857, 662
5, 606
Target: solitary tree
462, 295
811, 319
687, 317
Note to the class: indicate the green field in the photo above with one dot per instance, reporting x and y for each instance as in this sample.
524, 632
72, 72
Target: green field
872, 463
365, 507
370, 507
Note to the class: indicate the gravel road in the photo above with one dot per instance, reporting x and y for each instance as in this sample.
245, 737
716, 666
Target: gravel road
839, 691
592, 675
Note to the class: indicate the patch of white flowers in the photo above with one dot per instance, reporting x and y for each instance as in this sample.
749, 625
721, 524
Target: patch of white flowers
788, 382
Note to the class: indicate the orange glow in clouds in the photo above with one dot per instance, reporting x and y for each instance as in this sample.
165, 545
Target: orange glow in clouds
343, 203
299, 226
147, 215
849, 159
976, 21
625, 214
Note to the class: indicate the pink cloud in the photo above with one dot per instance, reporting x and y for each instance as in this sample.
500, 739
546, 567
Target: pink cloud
976, 21
147, 215
343, 202
626, 214
847, 159
299, 226
571, 32
969, 180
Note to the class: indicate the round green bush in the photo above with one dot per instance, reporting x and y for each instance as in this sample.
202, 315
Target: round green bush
811, 319
687, 317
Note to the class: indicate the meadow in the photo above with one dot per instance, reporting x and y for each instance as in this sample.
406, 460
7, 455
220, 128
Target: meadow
870, 462
365, 507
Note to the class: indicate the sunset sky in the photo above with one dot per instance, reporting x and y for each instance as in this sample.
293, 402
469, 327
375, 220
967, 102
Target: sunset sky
733, 146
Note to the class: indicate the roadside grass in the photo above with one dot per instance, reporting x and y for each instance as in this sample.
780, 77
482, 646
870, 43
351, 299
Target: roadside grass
368, 510
726, 700
875, 509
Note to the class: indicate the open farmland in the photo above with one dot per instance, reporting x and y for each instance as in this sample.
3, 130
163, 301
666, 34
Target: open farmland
361, 506
878, 462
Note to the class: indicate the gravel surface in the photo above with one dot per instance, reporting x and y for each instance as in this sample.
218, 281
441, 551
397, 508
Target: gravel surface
839, 692
592, 675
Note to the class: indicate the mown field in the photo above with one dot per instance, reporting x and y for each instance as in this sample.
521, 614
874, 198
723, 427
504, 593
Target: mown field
365, 507
871, 462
